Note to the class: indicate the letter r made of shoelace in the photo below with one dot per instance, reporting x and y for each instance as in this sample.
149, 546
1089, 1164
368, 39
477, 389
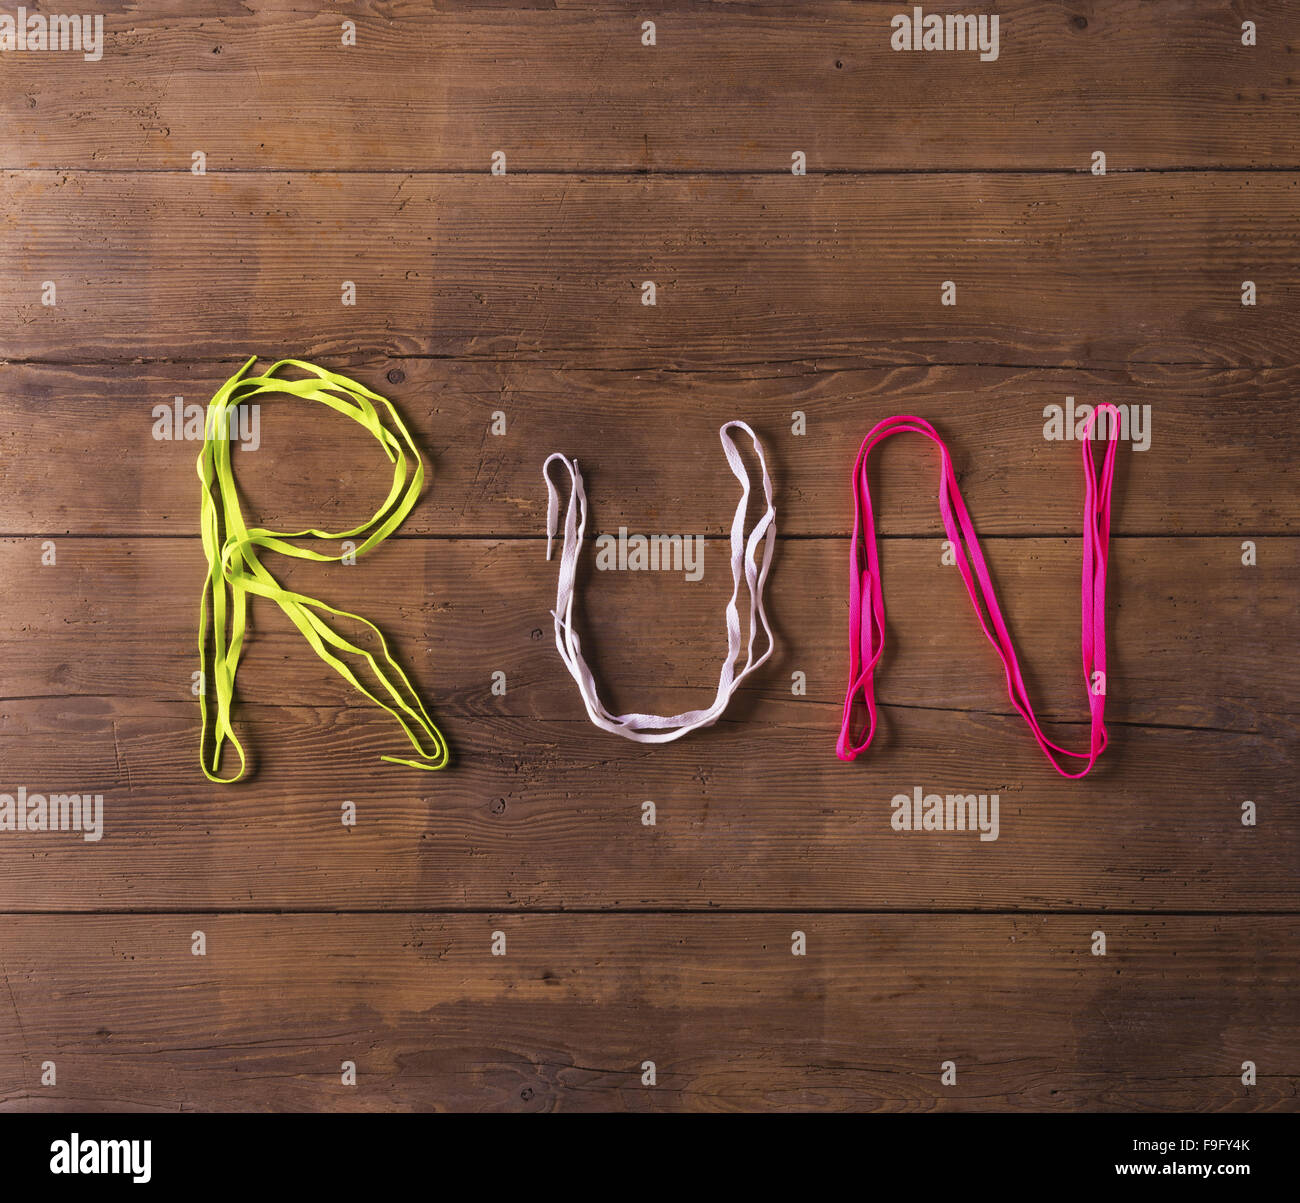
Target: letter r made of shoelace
867, 603
236, 572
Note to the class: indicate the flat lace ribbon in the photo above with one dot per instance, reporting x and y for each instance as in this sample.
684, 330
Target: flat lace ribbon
746, 563
235, 570
867, 603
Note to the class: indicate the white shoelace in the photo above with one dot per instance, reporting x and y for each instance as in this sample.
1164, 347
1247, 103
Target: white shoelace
657, 728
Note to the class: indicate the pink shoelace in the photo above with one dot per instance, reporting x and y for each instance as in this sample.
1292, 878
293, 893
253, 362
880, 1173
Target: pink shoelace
867, 603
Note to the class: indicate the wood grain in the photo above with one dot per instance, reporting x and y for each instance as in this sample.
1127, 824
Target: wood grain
78, 453
119, 618
547, 815
565, 1020
540, 810
1050, 270
737, 87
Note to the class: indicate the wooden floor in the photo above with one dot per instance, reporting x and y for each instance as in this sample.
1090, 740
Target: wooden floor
937, 971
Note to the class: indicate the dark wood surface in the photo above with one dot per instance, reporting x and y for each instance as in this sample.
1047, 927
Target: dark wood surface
567, 1019
777, 295
1222, 446
1050, 269
568, 87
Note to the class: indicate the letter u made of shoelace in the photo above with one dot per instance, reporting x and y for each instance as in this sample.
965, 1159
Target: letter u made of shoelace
751, 557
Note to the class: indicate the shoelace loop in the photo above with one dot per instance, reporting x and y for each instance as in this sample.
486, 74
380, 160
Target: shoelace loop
867, 603
235, 571
746, 563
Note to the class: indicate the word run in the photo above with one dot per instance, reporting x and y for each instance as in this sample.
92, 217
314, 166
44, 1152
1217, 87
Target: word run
641, 553
180, 421
77, 1156
58, 812
1067, 423
955, 31
955, 812
36, 31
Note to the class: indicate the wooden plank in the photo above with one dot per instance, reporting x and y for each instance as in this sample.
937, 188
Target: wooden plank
726, 88
1059, 270
548, 813
567, 1018
1193, 634
79, 452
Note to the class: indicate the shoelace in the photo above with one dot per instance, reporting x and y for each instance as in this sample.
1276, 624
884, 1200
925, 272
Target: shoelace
867, 604
235, 571
745, 561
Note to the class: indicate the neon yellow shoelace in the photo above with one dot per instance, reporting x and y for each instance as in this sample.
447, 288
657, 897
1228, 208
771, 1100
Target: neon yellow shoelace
234, 570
